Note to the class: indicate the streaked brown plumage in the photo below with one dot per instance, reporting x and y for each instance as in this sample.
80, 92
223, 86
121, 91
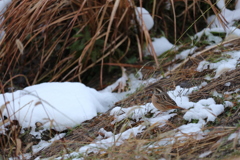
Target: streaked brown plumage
162, 101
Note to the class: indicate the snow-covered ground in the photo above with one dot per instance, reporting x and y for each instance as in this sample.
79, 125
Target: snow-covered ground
64, 105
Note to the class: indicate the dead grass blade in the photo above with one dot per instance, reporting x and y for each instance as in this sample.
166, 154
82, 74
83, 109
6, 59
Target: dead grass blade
220, 18
114, 10
174, 21
59, 40
18, 146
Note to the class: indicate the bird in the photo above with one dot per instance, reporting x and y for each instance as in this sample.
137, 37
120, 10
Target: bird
162, 101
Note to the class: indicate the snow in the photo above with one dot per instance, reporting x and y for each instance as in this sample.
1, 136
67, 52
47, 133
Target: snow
180, 96
120, 82
191, 129
105, 133
3, 6
237, 5
205, 154
204, 109
65, 105
211, 39
58, 98
181, 133
228, 104
214, 39
41, 145
216, 94
114, 140
222, 66
139, 113
184, 54
234, 135
62, 105
229, 15
144, 16
53, 103
160, 45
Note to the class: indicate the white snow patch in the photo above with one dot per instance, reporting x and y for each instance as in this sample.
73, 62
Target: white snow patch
180, 96
203, 84
234, 135
144, 18
211, 39
50, 103
41, 145
160, 45
138, 113
62, 105
229, 15
228, 104
227, 84
216, 94
184, 54
113, 140
205, 154
105, 133
191, 129
3, 7
225, 67
204, 109
45, 144
222, 66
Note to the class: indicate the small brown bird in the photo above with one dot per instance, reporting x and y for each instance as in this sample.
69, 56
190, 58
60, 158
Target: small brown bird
162, 101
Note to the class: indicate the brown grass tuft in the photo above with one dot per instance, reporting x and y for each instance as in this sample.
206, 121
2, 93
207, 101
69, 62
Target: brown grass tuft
61, 40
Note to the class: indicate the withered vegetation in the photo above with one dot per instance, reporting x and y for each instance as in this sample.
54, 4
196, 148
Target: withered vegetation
75, 40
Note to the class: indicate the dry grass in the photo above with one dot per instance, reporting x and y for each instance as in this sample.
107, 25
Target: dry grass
70, 40
177, 148
147, 145
62, 40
